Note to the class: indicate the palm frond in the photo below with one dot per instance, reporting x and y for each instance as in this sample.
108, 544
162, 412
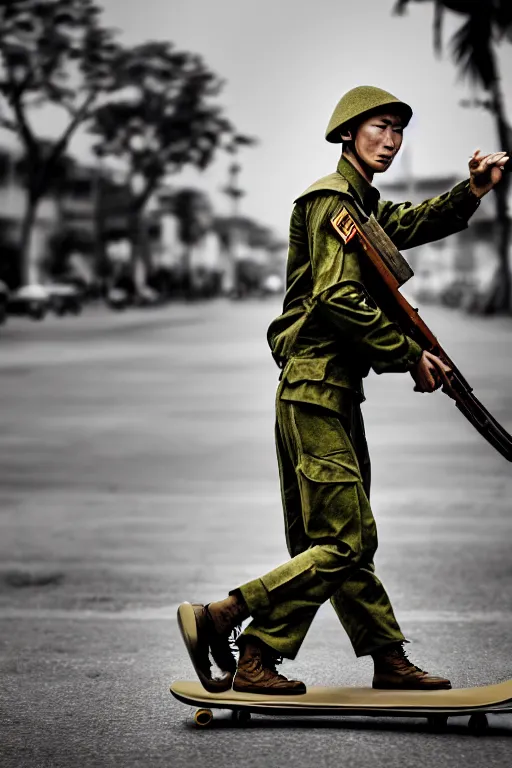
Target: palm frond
502, 19
438, 26
502, 13
472, 49
400, 7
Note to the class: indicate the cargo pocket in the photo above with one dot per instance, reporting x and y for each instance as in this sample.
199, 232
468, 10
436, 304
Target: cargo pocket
294, 575
305, 369
331, 500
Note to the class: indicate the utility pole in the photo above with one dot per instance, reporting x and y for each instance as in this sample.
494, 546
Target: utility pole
233, 190
234, 193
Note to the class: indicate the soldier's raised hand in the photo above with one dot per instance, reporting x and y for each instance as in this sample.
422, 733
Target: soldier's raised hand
485, 171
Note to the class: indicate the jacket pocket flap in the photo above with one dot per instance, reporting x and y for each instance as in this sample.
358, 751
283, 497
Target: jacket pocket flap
306, 369
339, 467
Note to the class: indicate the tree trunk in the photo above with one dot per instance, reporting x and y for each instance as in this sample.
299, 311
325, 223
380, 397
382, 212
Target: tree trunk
186, 270
100, 258
140, 250
29, 271
499, 298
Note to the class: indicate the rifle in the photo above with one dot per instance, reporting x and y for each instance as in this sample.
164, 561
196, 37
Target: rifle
393, 271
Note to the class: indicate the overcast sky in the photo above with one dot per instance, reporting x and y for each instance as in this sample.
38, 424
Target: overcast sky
286, 63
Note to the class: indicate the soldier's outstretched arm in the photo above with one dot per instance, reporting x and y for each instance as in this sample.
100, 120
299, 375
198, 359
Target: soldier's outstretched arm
412, 225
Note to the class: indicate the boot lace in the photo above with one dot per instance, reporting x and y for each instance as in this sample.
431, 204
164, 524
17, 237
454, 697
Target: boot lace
405, 663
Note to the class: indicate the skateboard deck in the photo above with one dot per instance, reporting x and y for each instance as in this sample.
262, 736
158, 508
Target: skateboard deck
436, 706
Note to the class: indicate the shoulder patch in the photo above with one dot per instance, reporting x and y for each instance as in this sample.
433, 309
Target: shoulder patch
344, 225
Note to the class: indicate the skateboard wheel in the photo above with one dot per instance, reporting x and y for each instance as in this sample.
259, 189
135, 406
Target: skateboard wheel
203, 717
240, 716
437, 722
478, 724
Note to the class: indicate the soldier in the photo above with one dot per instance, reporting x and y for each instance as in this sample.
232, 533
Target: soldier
329, 336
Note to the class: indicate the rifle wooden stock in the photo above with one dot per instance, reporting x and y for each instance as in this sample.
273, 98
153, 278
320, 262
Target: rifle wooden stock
393, 271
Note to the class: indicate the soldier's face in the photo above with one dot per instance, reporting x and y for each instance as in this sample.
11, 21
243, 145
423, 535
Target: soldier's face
378, 140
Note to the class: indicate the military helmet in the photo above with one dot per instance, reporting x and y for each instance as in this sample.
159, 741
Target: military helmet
359, 102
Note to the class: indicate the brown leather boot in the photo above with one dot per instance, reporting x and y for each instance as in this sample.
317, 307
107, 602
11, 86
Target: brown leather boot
211, 630
393, 670
256, 672
229, 613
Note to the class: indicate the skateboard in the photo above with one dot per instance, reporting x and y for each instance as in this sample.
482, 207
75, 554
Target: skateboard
436, 706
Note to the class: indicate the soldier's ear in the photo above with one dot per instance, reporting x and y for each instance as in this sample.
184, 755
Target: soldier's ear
346, 135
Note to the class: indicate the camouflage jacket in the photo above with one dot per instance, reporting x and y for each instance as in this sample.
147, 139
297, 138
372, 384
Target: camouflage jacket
332, 331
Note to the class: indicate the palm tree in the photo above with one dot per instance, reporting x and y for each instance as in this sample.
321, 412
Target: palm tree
486, 23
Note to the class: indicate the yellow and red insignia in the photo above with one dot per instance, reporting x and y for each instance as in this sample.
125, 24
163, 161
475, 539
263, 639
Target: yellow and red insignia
344, 225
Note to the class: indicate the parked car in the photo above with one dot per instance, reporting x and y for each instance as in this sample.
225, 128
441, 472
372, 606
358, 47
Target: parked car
31, 300
64, 299
118, 297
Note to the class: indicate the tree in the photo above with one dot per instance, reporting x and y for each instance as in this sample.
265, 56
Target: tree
51, 52
166, 119
193, 211
486, 23
194, 214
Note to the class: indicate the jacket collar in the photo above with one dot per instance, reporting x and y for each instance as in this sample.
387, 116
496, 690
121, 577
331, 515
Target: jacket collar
368, 195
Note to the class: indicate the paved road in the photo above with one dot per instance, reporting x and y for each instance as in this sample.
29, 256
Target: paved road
137, 469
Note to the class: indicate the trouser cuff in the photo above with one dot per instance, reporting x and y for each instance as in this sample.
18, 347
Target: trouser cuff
380, 647
256, 597
281, 646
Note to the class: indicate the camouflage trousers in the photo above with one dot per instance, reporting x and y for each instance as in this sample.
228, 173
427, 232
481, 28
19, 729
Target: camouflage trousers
331, 535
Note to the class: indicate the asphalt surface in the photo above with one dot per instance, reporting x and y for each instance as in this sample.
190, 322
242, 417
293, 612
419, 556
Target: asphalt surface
137, 470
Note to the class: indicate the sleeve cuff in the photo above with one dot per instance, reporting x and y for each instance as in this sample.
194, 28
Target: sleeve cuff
464, 201
402, 364
415, 352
